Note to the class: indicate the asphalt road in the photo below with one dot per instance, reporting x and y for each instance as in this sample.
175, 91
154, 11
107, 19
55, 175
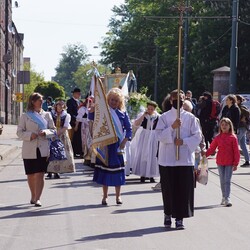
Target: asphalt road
72, 216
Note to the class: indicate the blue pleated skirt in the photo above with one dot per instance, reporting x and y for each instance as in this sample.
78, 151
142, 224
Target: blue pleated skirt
113, 174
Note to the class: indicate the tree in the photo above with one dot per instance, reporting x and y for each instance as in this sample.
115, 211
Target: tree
35, 79
82, 77
139, 25
133, 40
73, 56
52, 89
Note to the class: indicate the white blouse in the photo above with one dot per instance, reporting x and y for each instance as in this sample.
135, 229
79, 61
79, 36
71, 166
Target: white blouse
81, 112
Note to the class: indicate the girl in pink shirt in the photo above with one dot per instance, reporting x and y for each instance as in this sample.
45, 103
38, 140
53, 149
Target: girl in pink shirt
227, 158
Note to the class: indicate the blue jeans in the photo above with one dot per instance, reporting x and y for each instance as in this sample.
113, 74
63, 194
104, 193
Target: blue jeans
241, 135
225, 173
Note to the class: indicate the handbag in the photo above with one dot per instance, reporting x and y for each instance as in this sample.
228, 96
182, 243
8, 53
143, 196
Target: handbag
57, 150
202, 172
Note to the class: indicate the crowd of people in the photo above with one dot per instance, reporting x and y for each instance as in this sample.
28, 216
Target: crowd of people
160, 145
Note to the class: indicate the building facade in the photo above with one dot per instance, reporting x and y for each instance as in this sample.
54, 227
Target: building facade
11, 58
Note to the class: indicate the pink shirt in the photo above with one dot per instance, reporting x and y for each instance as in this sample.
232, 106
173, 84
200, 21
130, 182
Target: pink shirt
228, 149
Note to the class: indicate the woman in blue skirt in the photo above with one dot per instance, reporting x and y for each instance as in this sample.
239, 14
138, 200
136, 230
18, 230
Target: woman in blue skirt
113, 173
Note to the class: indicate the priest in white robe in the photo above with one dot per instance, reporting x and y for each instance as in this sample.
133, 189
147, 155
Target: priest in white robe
177, 176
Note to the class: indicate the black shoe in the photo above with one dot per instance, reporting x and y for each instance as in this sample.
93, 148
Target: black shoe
152, 180
104, 202
246, 164
167, 221
142, 179
179, 224
56, 176
49, 175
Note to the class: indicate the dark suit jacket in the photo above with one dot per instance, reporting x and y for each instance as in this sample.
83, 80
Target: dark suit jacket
72, 109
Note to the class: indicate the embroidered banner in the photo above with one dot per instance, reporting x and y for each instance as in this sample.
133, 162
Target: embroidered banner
103, 128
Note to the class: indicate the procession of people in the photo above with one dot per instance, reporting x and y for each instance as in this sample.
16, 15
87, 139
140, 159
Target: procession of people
163, 145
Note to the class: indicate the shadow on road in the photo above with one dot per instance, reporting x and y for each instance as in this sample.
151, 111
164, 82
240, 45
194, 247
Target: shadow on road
141, 209
44, 211
207, 207
9, 181
127, 234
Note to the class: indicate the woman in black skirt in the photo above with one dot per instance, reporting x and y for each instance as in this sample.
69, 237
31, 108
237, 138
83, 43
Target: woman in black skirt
34, 128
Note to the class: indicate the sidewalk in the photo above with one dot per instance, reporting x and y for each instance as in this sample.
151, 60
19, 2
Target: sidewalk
8, 141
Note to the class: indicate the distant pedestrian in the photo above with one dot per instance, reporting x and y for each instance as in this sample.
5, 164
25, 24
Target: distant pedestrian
177, 175
34, 128
48, 104
73, 105
189, 96
227, 158
83, 121
232, 111
203, 112
243, 128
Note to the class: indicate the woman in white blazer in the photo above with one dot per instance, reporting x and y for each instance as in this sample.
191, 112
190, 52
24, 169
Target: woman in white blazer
35, 128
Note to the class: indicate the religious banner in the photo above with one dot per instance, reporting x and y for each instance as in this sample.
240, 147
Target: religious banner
115, 80
103, 128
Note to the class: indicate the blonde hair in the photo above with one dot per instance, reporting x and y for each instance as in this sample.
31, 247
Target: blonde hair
229, 122
117, 93
33, 98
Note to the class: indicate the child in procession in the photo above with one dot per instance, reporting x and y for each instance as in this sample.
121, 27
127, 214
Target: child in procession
227, 158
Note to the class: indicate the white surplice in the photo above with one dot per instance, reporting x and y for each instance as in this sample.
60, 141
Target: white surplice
144, 150
190, 133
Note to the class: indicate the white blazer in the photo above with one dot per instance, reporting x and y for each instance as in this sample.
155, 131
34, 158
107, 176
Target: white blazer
26, 127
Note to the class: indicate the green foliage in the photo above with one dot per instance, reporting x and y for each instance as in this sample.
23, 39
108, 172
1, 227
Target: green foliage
52, 89
82, 77
35, 79
72, 58
136, 28
136, 103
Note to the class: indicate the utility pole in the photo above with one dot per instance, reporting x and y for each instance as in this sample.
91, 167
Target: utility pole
234, 48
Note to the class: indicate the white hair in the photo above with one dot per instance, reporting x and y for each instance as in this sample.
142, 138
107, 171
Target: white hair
187, 105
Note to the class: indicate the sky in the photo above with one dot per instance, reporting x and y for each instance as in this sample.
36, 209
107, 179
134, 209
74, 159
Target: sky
49, 25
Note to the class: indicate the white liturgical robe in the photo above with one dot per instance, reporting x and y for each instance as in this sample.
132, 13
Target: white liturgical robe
190, 133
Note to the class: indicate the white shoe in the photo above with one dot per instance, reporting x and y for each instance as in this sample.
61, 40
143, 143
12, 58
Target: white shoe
38, 203
228, 203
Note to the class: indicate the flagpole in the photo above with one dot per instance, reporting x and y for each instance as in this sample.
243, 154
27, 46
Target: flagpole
179, 87
181, 9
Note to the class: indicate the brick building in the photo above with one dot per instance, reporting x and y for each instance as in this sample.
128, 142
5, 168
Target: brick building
11, 63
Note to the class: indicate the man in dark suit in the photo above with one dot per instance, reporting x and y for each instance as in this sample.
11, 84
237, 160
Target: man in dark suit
72, 109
